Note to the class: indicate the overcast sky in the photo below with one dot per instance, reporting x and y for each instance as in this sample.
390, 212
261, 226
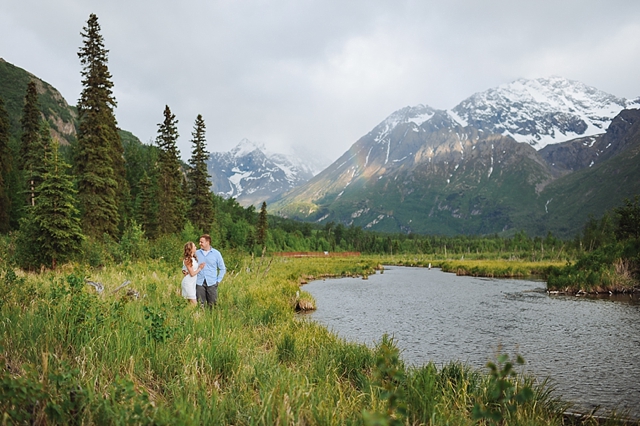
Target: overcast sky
317, 74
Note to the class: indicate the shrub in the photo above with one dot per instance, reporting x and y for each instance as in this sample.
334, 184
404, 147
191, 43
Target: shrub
389, 377
133, 244
503, 392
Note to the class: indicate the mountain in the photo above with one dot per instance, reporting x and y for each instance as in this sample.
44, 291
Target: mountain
535, 155
542, 111
475, 169
610, 173
251, 175
62, 118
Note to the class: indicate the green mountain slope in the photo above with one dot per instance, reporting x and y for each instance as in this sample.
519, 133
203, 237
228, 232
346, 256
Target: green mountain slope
13, 87
62, 119
593, 190
441, 178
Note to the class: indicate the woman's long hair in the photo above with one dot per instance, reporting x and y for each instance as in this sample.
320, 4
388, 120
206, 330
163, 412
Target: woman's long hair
186, 257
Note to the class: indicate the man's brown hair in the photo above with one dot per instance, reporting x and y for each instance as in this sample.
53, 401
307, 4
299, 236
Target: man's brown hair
206, 237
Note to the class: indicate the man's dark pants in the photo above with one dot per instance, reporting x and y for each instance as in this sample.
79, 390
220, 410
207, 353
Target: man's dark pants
207, 294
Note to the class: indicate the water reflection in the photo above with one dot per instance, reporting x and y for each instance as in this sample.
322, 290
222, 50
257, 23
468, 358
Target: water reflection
587, 346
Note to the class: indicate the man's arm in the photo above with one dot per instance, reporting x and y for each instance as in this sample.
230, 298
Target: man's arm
221, 268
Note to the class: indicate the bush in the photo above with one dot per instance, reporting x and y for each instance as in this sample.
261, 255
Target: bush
24, 397
611, 267
190, 233
504, 392
133, 244
233, 260
389, 376
167, 248
25, 254
97, 253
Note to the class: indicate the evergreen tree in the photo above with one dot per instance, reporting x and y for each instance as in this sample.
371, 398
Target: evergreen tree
147, 209
31, 149
55, 210
51, 230
262, 225
5, 168
102, 187
628, 220
44, 147
201, 209
171, 217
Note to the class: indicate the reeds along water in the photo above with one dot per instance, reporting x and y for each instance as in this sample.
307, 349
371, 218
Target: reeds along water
71, 355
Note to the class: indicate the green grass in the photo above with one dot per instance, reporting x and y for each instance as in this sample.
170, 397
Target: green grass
612, 268
141, 355
498, 268
477, 265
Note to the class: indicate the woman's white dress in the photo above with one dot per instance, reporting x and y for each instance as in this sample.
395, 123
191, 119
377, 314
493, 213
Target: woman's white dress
189, 283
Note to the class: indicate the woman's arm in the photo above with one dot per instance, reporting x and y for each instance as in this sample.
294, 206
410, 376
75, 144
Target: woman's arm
191, 270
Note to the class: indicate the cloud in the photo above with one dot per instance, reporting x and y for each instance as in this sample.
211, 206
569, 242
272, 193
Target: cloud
316, 75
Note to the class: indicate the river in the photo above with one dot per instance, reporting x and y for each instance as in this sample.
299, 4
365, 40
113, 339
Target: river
589, 348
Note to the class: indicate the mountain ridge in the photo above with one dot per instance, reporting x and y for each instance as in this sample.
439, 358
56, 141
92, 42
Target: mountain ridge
469, 177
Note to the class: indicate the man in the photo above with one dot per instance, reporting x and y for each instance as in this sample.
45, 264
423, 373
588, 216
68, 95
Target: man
211, 275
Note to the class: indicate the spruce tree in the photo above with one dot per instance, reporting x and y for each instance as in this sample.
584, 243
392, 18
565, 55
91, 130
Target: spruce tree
31, 149
171, 200
147, 208
102, 187
201, 208
55, 210
5, 168
262, 225
51, 231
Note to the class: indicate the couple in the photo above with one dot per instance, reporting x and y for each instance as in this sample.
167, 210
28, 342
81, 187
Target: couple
203, 270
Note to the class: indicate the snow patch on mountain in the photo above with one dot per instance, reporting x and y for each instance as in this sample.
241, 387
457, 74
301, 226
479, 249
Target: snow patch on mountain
417, 115
457, 119
246, 147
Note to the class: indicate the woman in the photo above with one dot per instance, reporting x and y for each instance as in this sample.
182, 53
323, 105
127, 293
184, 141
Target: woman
192, 268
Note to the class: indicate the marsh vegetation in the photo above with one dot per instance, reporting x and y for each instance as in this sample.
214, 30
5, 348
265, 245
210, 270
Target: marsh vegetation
139, 354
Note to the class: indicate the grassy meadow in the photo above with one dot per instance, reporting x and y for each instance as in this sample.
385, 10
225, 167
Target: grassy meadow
139, 354
494, 268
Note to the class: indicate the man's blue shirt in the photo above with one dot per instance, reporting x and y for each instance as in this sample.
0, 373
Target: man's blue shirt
214, 268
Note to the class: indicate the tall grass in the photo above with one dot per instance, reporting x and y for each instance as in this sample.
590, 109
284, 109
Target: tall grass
498, 268
142, 355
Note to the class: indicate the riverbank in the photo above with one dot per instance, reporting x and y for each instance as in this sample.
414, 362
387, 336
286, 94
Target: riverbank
491, 268
142, 355
438, 317
614, 280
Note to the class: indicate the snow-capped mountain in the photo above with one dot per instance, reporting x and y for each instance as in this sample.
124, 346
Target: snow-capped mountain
539, 112
484, 166
251, 174
542, 111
